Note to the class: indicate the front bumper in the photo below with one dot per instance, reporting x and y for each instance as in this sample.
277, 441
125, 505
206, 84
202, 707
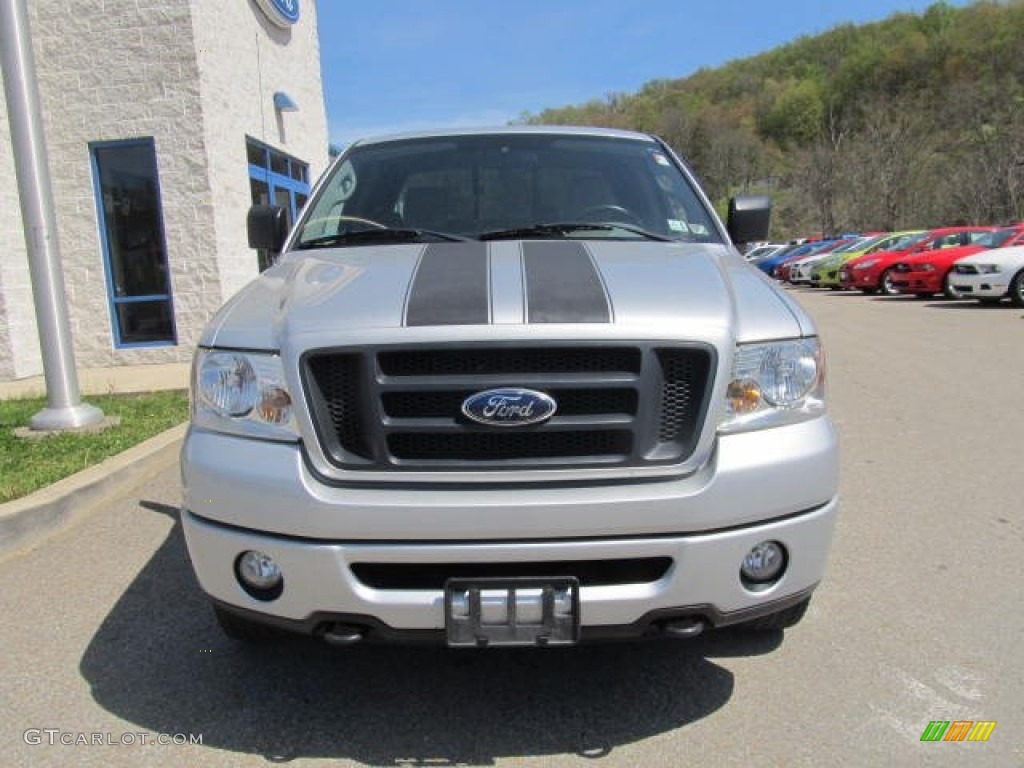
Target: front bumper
864, 279
245, 494
990, 286
918, 282
321, 586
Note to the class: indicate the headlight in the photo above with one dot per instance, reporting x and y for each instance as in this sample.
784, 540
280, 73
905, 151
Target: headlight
866, 264
243, 393
988, 269
776, 383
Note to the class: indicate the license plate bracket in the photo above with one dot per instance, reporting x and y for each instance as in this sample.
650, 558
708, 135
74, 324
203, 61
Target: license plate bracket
525, 611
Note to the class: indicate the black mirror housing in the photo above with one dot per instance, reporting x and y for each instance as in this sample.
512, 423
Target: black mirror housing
749, 218
267, 226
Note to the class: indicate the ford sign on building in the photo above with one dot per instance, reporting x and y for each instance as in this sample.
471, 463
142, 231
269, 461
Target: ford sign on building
284, 13
162, 129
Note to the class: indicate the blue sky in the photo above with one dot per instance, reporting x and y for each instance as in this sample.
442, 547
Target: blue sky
399, 65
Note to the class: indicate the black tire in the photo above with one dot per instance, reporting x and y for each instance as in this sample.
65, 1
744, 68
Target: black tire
244, 630
885, 286
1017, 289
947, 287
784, 619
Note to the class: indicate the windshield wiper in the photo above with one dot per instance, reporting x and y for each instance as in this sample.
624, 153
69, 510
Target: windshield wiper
564, 228
382, 235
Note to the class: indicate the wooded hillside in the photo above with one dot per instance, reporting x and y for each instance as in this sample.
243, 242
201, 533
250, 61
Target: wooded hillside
914, 121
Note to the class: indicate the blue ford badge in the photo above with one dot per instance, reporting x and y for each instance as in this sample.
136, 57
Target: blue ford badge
509, 407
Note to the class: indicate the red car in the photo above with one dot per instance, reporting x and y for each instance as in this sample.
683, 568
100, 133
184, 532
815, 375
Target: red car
875, 272
926, 274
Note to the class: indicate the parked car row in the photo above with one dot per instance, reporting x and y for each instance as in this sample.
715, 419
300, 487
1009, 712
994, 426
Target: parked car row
985, 263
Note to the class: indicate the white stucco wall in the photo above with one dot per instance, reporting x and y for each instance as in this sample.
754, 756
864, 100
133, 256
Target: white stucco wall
124, 71
195, 75
243, 59
19, 345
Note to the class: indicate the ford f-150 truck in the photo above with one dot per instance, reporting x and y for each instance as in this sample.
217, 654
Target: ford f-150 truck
509, 387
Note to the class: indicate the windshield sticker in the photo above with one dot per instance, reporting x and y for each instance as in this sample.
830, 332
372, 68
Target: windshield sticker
346, 181
677, 226
659, 158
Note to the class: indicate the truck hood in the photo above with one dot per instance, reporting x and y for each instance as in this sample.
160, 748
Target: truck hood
511, 288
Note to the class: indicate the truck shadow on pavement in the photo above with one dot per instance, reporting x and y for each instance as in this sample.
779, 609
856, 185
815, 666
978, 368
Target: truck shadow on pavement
160, 661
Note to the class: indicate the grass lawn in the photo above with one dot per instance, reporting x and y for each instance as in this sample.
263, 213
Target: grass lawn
28, 465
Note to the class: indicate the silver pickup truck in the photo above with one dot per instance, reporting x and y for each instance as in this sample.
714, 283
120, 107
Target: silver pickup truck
509, 387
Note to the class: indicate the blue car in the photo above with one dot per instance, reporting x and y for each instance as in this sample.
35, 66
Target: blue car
768, 265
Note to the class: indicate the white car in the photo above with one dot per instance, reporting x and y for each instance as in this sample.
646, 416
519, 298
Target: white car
991, 276
800, 270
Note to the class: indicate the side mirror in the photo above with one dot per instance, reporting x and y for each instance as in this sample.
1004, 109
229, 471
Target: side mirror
749, 218
268, 227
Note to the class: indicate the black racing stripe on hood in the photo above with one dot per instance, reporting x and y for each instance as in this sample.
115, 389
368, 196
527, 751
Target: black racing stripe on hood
450, 286
563, 284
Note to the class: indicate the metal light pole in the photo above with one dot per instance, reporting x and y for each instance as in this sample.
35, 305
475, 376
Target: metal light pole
64, 410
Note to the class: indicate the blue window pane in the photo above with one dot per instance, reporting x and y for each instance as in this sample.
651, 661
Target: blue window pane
144, 322
128, 192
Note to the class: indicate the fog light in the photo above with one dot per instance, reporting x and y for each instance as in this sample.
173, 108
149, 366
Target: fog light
259, 575
763, 563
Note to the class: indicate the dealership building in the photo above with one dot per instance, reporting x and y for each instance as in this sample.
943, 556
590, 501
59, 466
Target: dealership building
164, 121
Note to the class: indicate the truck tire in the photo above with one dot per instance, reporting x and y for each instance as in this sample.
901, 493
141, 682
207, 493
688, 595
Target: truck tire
784, 619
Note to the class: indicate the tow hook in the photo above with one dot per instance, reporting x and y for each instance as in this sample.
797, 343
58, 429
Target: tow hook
686, 627
342, 634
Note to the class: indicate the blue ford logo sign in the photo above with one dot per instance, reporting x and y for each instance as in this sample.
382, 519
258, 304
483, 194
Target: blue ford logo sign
284, 13
510, 407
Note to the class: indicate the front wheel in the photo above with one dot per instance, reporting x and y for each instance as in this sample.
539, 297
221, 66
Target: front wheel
784, 619
885, 284
948, 289
1017, 289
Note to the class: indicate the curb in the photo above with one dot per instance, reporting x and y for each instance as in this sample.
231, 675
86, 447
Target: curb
26, 521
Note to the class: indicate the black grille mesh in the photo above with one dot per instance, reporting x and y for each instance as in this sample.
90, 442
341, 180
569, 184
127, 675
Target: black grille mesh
677, 389
591, 573
507, 446
337, 392
467, 362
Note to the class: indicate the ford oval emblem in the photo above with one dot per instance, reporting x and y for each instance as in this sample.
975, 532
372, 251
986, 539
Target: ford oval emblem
510, 407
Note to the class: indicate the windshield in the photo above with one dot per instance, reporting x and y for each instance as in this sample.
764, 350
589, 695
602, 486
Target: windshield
860, 244
900, 242
997, 238
506, 185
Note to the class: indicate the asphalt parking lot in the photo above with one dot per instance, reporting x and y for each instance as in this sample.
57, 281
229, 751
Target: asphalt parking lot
919, 618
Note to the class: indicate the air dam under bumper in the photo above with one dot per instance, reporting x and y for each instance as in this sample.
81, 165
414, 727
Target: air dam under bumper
318, 578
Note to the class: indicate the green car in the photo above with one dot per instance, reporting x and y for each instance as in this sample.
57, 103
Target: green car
826, 274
